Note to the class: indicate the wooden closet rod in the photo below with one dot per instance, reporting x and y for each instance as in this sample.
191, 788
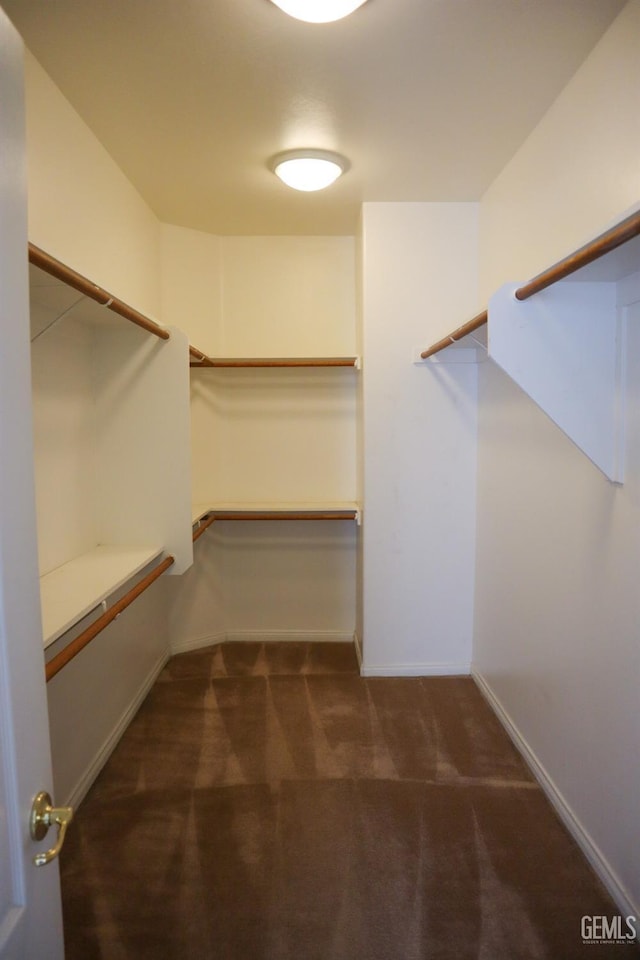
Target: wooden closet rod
204, 525
274, 362
61, 272
61, 659
285, 515
609, 240
469, 327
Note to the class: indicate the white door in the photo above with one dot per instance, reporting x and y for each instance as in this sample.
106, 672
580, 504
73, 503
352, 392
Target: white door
30, 916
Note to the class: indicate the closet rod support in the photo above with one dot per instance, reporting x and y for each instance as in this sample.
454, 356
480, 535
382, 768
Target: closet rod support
203, 526
60, 271
200, 359
478, 321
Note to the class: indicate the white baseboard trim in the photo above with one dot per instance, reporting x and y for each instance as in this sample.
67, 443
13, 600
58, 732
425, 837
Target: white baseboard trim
83, 785
186, 646
416, 670
591, 851
300, 636
262, 636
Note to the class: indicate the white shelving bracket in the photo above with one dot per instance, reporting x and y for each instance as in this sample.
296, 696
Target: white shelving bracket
565, 348
452, 354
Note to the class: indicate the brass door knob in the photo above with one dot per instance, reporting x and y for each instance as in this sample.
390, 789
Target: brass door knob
43, 816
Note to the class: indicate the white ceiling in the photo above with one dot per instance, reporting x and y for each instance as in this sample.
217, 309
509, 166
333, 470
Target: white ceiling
428, 98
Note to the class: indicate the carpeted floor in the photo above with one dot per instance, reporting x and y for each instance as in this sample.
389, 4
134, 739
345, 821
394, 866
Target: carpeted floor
267, 803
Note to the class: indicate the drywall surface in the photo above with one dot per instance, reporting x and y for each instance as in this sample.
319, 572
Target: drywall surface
260, 296
289, 579
65, 456
196, 600
82, 209
555, 639
273, 435
265, 580
576, 173
418, 439
288, 296
94, 698
557, 608
191, 285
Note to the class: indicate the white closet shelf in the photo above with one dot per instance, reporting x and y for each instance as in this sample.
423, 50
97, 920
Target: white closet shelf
277, 509
71, 591
233, 362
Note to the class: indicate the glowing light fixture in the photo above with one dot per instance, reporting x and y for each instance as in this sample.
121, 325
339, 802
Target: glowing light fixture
309, 170
318, 11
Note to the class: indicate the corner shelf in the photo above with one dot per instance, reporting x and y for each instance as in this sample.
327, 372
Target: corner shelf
203, 361
269, 510
73, 590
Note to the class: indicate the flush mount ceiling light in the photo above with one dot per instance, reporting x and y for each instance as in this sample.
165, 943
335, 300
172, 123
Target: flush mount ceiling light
318, 11
308, 169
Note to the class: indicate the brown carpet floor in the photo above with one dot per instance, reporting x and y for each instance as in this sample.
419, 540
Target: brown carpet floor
267, 803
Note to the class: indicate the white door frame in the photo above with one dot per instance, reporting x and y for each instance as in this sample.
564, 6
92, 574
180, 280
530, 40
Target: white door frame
30, 914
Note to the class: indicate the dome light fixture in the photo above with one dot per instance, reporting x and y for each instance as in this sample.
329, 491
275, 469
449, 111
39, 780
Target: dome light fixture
318, 11
308, 170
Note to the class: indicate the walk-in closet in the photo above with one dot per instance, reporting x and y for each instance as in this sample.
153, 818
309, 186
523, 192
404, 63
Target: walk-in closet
320, 500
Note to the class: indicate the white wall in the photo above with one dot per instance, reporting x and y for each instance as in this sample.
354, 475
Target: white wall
291, 579
65, 456
196, 600
273, 435
82, 209
288, 296
419, 439
260, 296
576, 173
191, 285
111, 437
557, 549
94, 698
